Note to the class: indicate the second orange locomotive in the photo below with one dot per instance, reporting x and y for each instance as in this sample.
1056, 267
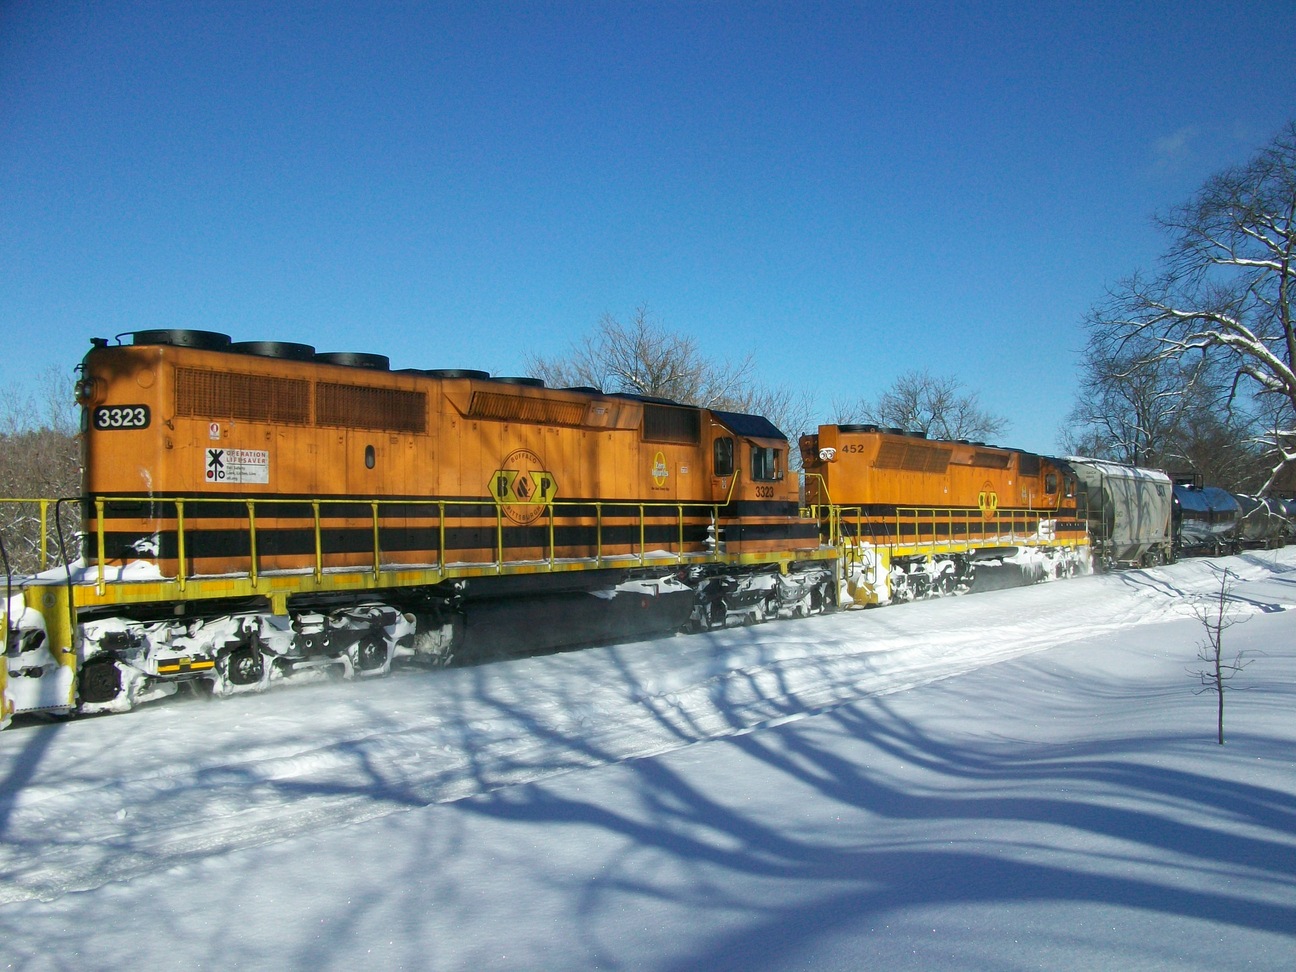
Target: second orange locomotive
915, 517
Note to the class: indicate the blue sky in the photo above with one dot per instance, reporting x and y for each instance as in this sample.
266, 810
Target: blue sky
848, 191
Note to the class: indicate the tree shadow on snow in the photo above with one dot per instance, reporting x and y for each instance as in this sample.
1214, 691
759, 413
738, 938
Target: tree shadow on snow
1135, 833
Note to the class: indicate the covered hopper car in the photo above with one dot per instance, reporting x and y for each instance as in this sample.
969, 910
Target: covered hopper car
1128, 511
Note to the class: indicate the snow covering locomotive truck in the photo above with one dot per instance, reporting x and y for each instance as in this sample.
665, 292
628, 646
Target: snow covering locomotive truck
258, 512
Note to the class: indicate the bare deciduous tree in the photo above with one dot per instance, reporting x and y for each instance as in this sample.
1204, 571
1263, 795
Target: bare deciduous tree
922, 402
643, 358
1170, 413
1224, 290
1217, 616
1129, 408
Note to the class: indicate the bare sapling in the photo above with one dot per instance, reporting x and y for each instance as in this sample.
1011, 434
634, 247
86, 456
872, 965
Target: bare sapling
1217, 613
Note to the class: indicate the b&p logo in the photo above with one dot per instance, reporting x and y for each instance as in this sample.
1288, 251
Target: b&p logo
522, 486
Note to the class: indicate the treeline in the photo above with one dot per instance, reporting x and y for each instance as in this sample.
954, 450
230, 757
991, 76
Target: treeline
39, 459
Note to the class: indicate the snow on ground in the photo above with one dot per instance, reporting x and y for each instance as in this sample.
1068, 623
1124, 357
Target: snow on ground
1014, 780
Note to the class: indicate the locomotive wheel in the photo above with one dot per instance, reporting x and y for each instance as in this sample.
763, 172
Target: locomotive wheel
244, 667
370, 656
100, 681
717, 613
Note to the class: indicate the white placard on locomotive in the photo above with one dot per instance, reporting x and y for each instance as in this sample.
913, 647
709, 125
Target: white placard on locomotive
237, 466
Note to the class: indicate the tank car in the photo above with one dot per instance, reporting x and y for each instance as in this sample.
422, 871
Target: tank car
1205, 518
1263, 523
1128, 510
916, 516
1289, 508
259, 510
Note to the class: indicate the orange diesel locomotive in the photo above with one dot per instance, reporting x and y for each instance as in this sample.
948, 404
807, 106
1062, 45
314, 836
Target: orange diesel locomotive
914, 516
257, 510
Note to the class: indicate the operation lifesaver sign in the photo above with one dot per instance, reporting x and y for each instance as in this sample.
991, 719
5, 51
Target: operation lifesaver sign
237, 466
522, 486
988, 500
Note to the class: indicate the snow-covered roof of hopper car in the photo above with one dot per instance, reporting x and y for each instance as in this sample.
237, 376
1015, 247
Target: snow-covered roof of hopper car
1117, 470
749, 426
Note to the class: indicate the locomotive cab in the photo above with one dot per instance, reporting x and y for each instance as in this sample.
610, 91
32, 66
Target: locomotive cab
759, 500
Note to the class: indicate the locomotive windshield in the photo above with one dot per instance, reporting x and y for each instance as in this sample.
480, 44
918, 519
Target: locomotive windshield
766, 463
724, 456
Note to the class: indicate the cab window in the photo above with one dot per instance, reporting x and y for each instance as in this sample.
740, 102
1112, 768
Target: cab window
1050, 483
766, 465
724, 461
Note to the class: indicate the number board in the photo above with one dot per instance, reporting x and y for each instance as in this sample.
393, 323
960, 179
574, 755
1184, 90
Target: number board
108, 418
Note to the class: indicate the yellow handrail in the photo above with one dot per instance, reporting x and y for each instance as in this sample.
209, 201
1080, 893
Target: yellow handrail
101, 583
319, 511
319, 542
922, 526
180, 544
42, 538
252, 541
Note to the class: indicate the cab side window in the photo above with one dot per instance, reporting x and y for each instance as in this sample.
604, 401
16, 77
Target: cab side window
766, 464
724, 457
1051, 483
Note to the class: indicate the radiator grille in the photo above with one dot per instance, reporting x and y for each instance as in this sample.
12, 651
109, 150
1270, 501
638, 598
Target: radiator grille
664, 424
990, 460
912, 458
252, 398
364, 407
516, 408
